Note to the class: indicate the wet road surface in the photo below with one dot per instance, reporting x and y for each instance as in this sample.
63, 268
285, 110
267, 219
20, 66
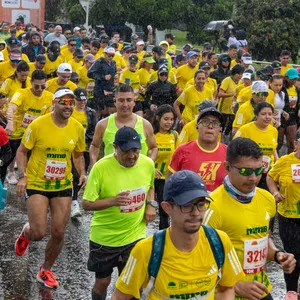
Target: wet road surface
17, 274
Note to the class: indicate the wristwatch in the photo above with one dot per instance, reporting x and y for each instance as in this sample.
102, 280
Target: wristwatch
21, 175
152, 203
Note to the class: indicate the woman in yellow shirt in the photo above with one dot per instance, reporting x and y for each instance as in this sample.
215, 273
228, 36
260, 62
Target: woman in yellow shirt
167, 141
285, 174
264, 134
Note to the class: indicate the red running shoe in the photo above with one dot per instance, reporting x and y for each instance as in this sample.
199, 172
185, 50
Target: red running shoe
22, 242
47, 278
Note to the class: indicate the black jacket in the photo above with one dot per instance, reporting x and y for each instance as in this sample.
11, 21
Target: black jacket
28, 50
92, 121
219, 74
98, 71
293, 112
160, 92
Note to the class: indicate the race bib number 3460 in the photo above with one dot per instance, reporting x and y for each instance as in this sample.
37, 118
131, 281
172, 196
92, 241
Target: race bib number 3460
55, 170
138, 197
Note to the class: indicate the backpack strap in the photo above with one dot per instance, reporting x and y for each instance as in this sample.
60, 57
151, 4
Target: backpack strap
174, 132
215, 244
157, 252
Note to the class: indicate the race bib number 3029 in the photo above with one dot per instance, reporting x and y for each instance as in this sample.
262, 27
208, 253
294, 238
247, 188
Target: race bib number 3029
138, 197
55, 170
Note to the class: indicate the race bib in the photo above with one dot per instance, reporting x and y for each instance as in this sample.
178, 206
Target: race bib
55, 170
296, 172
266, 163
90, 87
27, 119
255, 255
293, 101
138, 197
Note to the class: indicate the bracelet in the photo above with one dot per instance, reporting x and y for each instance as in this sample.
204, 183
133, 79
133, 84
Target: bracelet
275, 255
275, 194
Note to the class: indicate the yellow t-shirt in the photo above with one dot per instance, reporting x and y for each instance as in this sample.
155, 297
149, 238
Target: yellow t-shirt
244, 115
184, 74
86, 82
80, 116
233, 63
239, 88
32, 68
286, 173
172, 48
66, 55
52, 85
145, 76
246, 94
140, 55
130, 78
210, 83
30, 107
120, 64
75, 65
191, 98
247, 225
284, 69
182, 275
52, 66
225, 104
265, 139
10, 86
49, 167
189, 132
6, 70
6, 56
172, 75
166, 144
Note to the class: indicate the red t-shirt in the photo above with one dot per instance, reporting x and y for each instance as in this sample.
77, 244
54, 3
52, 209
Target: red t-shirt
208, 164
3, 137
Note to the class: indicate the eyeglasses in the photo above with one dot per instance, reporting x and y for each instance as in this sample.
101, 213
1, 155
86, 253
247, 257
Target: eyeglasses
104, 42
110, 55
39, 86
225, 60
207, 123
262, 94
66, 101
73, 45
249, 171
202, 205
163, 74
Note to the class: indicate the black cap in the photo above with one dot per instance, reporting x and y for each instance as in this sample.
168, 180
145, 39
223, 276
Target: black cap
127, 138
51, 26
206, 104
276, 64
163, 69
204, 64
157, 49
207, 45
133, 59
211, 111
187, 47
162, 61
13, 42
127, 48
40, 58
183, 187
78, 52
80, 94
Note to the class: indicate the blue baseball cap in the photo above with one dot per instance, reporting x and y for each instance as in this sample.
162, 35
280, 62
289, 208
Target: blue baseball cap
191, 53
184, 186
292, 74
127, 138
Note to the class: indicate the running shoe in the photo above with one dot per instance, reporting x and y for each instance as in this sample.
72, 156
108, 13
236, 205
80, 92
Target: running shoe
11, 178
47, 278
22, 242
75, 209
291, 295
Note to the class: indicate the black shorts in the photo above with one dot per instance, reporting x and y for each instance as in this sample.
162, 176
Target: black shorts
102, 259
101, 101
52, 194
138, 106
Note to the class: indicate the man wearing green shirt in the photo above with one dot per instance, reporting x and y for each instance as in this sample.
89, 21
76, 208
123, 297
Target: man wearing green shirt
120, 191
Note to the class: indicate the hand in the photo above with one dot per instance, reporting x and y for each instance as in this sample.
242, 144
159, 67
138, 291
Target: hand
252, 290
121, 199
107, 77
21, 186
278, 197
150, 213
9, 128
82, 181
158, 174
153, 107
106, 93
286, 115
287, 261
182, 122
150, 29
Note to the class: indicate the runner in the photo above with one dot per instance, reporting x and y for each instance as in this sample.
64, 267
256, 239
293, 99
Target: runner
188, 258
39, 64
245, 211
53, 60
284, 58
48, 178
88, 119
8, 67
106, 129
206, 155
120, 191
77, 61
285, 174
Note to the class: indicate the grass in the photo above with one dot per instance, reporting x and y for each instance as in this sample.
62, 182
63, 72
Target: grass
181, 39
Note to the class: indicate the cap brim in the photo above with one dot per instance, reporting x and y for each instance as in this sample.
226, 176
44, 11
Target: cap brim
130, 145
293, 77
190, 195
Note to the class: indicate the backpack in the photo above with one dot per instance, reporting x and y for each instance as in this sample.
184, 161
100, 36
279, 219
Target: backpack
175, 134
158, 245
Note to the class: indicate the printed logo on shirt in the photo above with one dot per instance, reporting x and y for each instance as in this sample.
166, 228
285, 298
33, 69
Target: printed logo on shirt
71, 142
208, 170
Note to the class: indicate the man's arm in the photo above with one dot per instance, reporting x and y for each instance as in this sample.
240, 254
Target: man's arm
225, 293
150, 140
118, 295
79, 164
21, 157
150, 211
168, 174
10, 118
97, 141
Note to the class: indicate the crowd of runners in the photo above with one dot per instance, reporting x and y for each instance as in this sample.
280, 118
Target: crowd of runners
186, 135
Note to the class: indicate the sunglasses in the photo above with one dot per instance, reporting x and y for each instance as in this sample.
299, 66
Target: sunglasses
39, 86
249, 171
110, 55
66, 101
163, 74
73, 45
262, 94
225, 60
188, 208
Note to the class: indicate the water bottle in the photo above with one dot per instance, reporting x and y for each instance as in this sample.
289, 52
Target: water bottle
3, 197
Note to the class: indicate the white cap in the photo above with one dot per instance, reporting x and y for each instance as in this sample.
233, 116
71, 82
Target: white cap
140, 42
246, 76
259, 86
76, 28
109, 50
63, 92
247, 60
64, 68
1, 56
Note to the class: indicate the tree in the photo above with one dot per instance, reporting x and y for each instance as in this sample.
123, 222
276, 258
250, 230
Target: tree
271, 26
